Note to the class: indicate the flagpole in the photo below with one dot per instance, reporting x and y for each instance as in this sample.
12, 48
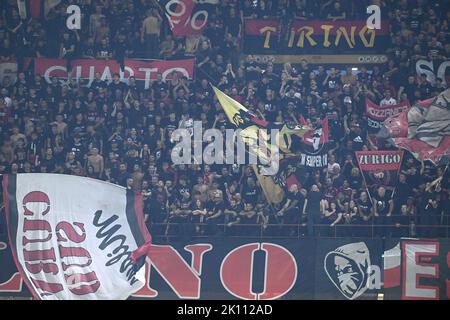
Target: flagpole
365, 183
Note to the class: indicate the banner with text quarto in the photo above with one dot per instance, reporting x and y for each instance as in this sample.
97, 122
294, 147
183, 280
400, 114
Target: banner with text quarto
140, 69
314, 37
288, 269
188, 17
377, 114
72, 237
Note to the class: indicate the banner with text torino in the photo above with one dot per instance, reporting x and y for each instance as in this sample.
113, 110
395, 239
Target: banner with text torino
231, 268
315, 37
380, 168
377, 114
141, 70
72, 237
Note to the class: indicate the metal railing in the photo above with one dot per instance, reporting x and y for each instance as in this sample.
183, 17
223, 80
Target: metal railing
171, 230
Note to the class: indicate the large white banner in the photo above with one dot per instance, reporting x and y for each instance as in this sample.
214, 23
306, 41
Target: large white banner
72, 237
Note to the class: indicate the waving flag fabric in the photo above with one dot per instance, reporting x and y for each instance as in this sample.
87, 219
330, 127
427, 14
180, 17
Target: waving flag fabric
315, 146
74, 237
423, 130
251, 125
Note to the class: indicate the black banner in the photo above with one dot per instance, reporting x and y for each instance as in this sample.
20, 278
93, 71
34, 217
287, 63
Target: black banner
287, 269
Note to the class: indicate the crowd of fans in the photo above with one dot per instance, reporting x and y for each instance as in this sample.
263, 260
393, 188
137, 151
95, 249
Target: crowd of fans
121, 133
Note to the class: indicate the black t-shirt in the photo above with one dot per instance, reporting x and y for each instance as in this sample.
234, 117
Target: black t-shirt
180, 190
119, 50
314, 199
358, 141
117, 86
250, 195
271, 108
403, 191
98, 84
365, 207
233, 24
170, 124
215, 207
248, 220
355, 182
67, 45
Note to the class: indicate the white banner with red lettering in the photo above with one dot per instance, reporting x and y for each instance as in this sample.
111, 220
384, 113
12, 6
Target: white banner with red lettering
72, 237
141, 70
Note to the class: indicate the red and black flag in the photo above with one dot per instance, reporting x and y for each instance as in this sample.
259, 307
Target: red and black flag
377, 114
423, 130
188, 17
35, 8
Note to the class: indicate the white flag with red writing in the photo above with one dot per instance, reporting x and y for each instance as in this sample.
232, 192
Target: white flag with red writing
73, 237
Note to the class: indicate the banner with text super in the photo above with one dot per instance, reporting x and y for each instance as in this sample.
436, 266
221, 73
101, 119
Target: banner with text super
141, 70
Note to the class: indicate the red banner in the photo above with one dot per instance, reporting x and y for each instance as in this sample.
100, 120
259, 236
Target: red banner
141, 70
377, 114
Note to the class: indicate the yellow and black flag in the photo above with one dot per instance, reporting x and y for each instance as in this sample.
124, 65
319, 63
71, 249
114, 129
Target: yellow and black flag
254, 130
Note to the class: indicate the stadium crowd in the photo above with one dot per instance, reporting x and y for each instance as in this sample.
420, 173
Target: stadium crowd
121, 133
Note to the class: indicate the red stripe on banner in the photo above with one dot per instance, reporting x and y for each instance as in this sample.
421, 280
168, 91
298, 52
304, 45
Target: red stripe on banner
392, 277
254, 27
293, 180
35, 8
5, 183
138, 209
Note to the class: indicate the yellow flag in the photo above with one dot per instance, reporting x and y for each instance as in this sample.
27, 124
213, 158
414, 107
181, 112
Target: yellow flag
239, 115
233, 109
